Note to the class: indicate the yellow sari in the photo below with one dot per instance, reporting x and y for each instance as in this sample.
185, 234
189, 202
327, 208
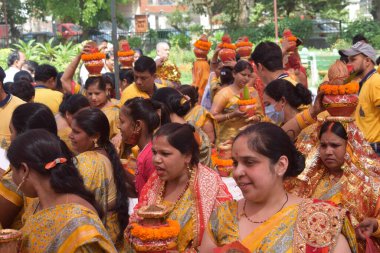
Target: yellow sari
283, 232
63, 229
198, 116
228, 129
193, 210
112, 113
96, 170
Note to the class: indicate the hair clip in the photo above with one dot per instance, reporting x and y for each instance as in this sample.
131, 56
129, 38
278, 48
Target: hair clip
54, 163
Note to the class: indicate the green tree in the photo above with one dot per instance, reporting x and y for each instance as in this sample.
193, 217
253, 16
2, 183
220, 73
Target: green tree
10, 12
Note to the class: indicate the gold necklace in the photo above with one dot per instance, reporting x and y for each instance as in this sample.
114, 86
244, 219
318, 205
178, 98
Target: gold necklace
260, 222
163, 186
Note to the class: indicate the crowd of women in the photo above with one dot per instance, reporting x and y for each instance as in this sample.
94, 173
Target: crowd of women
309, 181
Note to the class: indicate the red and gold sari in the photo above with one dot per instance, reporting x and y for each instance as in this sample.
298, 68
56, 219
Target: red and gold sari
357, 190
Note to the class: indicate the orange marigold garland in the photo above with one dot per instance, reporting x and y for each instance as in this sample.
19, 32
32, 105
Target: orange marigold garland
93, 56
203, 43
224, 166
156, 233
344, 89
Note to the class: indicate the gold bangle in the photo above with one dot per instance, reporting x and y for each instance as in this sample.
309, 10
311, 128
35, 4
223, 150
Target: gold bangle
304, 119
377, 232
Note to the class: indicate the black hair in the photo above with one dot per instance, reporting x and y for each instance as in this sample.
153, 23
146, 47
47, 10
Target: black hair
359, 37
268, 54
12, 57
38, 147
271, 141
294, 95
145, 63
99, 80
32, 116
109, 78
35, 116
58, 82
72, 103
109, 54
182, 138
139, 50
31, 66
190, 91
44, 72
174, 101
22, 89
6, 86
127, 74
242, 65
93, 121
144, 110
378, 61
23, 75
2, 75
336, 127
226, 76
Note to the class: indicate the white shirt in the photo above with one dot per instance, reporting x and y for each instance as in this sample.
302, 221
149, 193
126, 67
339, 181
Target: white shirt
10, 74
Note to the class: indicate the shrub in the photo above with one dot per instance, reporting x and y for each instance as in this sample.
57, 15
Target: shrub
135, 42
369, 28
341, 44
180, 40
4, 52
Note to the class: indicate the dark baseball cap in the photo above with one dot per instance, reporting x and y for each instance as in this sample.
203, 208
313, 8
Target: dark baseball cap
360, 48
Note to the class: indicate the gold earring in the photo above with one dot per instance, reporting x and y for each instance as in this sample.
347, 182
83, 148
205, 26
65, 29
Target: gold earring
21, 184
96, 144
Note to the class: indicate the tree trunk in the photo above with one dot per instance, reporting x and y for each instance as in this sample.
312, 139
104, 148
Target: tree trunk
376, 9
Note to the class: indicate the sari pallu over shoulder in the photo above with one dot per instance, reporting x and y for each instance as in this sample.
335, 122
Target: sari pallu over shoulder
208, 192
65, 228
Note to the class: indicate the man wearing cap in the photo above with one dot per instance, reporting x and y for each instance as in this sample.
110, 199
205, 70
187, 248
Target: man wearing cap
362, 57
8, 103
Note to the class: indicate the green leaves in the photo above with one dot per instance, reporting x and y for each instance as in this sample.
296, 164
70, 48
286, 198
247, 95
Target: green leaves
57, 55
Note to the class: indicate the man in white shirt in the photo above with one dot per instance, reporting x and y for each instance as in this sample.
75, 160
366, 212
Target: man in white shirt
15, 61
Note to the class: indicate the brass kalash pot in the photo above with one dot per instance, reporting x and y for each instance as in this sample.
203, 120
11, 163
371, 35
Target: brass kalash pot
10, 241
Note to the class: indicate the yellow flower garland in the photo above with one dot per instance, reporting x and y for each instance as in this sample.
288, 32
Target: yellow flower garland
156, 233
345, 89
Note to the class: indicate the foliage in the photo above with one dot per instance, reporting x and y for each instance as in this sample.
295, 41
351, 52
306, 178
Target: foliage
57, 55
180, 40
341, 44
29, 49
179, 20
135, 42
369, 28
4, 52
301, 28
